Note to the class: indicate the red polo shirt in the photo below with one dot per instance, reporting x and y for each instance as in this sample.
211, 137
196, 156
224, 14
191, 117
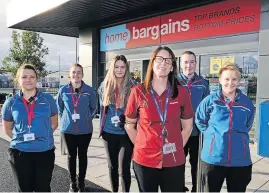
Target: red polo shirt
149, 140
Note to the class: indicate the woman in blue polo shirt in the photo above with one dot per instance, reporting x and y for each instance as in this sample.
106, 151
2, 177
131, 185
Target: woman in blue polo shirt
29, 119
225, 118
77, 104
114, 93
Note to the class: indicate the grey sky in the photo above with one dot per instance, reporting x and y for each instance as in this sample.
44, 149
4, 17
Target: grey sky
58, 45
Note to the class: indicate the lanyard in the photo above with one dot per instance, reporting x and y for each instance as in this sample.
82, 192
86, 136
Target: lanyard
189, 84
162, 116
117, 99
230, 104
75, 102
30, 111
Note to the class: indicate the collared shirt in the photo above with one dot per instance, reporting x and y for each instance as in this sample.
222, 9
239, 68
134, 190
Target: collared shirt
105, 122
148, 147
44, 107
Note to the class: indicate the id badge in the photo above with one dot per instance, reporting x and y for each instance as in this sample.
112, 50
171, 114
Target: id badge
115, 120
75, 116
29, 137
169, 148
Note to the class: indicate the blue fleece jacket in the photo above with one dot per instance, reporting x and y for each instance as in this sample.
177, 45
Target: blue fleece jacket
198, 89
225, 125
87, 105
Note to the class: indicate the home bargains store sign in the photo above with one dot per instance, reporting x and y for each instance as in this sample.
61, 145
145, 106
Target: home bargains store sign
223, 18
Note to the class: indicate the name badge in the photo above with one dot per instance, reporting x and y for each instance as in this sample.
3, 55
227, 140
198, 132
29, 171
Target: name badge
115, 120
169, 148
29, 137
75, 116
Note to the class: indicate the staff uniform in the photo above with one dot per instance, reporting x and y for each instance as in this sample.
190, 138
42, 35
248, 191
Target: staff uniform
77, 133
198, 89
152, 167
225, 125
32, 160
118, 146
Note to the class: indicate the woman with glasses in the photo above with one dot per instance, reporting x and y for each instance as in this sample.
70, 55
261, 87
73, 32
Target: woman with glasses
163, 114
114, 93
77, 104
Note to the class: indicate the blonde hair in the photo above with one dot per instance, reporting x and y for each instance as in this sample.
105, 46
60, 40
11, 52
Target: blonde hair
22, 67
76, 65
110, 83
231, 67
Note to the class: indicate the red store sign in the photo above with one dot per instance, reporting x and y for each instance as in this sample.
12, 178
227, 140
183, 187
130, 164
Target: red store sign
218, 19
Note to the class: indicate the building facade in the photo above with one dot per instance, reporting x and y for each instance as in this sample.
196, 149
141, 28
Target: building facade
217, 31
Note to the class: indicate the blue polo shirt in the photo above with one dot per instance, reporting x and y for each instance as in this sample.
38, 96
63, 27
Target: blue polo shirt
108, 126
44, 108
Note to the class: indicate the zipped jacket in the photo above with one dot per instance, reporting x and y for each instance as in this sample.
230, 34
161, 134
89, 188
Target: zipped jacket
86, 108
198, 89
225, 126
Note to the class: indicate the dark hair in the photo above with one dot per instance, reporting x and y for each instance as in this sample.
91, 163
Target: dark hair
189, 53
25, 66
172, 76
77, 65
120, 57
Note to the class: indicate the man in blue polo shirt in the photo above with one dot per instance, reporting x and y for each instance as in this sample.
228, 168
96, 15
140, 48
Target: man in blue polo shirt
198, 89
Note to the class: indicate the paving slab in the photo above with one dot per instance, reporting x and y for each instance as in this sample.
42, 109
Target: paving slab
97, 171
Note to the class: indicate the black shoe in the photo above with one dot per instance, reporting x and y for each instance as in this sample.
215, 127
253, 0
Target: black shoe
81, 187
185, 189
73, 187
82, 190
193, 189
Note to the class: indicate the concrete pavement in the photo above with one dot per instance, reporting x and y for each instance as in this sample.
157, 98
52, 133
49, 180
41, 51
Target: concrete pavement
59, 183
97, 171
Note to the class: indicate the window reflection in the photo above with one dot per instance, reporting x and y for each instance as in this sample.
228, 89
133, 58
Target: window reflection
247, 62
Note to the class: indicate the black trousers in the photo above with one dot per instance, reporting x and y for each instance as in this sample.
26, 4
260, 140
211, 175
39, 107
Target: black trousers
213, 176
192, 148
169, 179
77, 145
119, 150
32, 170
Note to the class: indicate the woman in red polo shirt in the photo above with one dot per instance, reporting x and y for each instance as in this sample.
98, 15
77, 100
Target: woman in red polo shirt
163, 114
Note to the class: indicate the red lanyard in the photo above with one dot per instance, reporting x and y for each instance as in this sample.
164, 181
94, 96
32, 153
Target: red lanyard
229, 104
117, 99
75, 102
30, 111
189, 86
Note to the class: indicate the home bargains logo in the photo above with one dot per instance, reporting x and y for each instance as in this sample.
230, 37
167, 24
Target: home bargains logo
223, 18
